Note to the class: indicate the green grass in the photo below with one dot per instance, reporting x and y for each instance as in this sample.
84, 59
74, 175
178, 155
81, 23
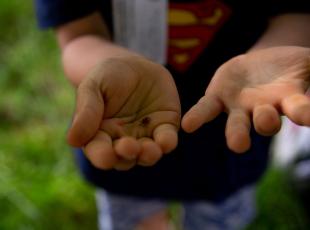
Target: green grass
40, 187
278, 206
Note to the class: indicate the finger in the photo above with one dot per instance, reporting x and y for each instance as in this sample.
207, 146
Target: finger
151, 152
123, 164
266, 120
238, 131
100, 151
88, 114
127, 148
166, 136
297, 108
204, 111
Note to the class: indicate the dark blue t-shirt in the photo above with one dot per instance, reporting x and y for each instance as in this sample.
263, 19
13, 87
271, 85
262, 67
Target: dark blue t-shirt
202, 167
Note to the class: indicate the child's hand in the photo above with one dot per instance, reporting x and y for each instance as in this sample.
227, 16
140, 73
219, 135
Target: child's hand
258, 86
127, 113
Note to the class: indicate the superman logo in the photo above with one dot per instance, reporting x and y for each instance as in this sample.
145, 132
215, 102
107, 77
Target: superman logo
191, 28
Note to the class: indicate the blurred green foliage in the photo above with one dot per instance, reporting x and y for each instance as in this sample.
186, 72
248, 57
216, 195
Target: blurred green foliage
277, 204
40, 187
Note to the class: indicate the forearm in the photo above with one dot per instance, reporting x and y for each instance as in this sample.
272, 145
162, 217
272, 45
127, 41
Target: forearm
84, 43
286, 30
81, 54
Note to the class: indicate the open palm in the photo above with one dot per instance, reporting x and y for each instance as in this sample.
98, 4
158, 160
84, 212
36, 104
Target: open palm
256, 87
127, 113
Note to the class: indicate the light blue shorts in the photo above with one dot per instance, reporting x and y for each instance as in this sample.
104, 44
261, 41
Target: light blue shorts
124, 213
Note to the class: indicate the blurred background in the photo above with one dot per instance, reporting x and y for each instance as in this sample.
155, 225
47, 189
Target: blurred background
40, 187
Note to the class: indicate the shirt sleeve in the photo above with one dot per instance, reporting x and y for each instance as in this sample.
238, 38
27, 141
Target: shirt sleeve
51, 13
276, 7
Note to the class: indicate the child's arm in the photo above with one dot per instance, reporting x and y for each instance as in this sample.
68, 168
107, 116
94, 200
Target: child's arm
127, 108
261, 85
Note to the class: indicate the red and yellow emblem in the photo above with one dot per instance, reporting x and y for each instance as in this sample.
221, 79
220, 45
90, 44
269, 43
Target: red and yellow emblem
191, 27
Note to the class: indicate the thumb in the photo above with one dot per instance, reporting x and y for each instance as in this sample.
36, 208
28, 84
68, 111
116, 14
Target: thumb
88, 114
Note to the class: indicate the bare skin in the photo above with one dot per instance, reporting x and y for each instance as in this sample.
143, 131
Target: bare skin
158, 221
128, 109
256, 87
123, 118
